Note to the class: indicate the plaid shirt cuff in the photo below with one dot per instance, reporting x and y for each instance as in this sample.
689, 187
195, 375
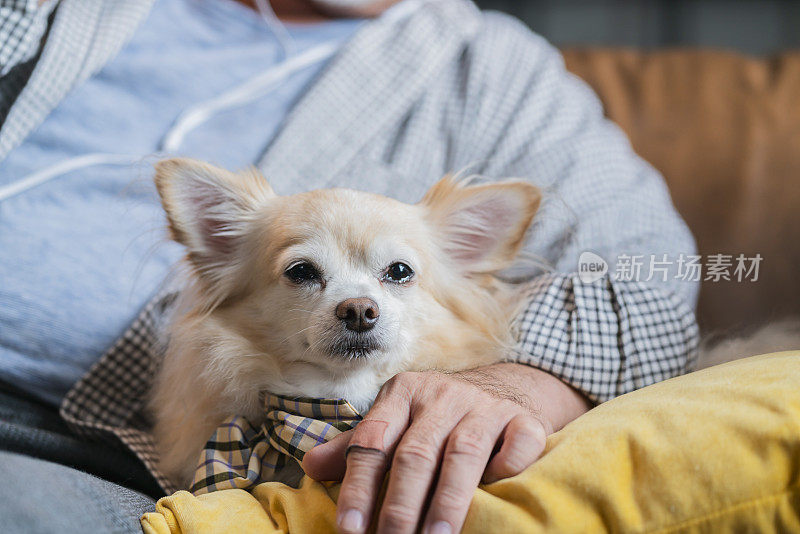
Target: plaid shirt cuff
606, 338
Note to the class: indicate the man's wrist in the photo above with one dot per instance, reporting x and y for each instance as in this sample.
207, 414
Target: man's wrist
551, 400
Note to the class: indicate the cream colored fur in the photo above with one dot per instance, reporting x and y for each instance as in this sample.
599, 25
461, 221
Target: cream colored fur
243, 328
774, 337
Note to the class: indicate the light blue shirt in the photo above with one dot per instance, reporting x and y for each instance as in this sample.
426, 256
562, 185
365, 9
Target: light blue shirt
80, 255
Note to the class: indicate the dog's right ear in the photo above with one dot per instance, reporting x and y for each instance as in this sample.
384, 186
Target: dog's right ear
207, 207
482, 227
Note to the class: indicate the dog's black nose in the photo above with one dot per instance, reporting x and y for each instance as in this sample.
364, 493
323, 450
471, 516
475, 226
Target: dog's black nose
358, 315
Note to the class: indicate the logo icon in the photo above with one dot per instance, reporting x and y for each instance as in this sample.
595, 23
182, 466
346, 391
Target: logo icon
591, 267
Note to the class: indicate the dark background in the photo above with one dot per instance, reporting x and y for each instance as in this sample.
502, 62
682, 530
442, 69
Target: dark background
751, 26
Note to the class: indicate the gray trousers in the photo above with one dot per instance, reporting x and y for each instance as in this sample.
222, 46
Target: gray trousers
53, 482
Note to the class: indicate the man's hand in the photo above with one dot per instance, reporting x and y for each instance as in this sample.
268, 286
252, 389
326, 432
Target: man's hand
442, 434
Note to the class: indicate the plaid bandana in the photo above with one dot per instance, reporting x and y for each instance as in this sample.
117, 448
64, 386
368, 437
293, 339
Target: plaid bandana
240, 455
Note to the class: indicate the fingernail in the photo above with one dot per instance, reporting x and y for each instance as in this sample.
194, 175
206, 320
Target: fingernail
440, 527
351, 522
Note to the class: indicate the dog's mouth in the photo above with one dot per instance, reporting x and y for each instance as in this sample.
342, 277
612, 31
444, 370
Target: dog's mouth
354, 346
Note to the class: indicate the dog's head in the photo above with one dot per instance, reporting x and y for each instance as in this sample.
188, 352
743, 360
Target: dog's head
338, 279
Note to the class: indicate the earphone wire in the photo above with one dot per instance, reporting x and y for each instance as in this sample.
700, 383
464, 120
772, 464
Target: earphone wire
243, 94
279, 30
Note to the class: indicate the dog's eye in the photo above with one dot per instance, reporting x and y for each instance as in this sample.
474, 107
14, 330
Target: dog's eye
302, 272
398, 272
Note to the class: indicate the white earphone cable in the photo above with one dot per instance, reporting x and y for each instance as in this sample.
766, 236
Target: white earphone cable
278, 28
190, 119
64, 166
247, 92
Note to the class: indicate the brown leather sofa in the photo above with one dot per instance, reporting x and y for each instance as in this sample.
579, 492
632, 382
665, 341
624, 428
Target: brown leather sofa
724, 129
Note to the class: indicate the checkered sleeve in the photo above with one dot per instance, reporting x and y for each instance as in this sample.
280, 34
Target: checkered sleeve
607, 337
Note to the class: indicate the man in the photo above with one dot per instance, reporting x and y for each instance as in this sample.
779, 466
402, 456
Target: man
413, 91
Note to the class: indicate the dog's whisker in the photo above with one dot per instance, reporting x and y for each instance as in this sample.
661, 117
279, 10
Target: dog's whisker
295, 333
329, 330
312, 346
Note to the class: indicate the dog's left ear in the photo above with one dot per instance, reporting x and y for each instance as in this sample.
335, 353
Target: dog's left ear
482, 227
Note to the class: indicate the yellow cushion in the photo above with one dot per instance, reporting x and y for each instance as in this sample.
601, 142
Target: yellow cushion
712, 451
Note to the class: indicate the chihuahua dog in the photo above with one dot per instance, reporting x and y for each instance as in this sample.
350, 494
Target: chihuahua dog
325, 294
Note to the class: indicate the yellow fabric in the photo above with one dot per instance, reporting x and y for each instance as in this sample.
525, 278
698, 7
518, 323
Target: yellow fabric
713, 451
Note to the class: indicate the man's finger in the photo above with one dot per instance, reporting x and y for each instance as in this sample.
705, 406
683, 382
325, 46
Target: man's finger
362, 482
468, 449
414, 467
524, 440
368, 453
326, 461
